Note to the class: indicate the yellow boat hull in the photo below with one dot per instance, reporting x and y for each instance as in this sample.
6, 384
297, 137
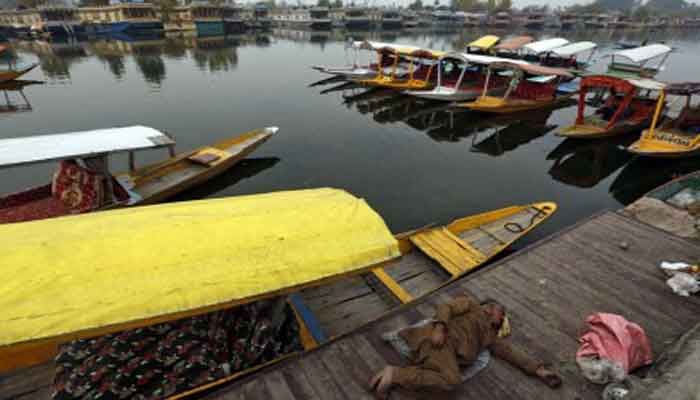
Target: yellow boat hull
584, 131
497, 105
397, 84
663, 144
160, 181
6, 76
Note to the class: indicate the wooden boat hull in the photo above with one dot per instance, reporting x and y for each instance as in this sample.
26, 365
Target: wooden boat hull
6, 76
665, 145
432, 257
496, 105
397, 84
147, 185
594, 132
158, 182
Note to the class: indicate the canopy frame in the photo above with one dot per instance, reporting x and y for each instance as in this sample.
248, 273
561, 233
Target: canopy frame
148, 139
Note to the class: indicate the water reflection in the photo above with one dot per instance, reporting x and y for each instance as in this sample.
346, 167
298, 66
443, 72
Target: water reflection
245, 169
55, 58
14, 98
642, 175
514, 131
584, 163
210, 54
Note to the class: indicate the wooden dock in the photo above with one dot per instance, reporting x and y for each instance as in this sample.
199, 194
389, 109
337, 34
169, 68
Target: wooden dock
549, 288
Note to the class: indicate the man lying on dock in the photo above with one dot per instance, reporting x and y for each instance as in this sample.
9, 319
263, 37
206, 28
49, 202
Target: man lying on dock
461, 330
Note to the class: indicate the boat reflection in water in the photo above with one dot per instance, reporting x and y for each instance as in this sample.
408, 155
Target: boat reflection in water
642, 175
14, 98
513, 131
245, 169
585, 163
491, 134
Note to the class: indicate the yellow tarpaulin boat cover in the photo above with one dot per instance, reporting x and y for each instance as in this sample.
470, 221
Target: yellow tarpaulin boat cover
485, 42
109, 269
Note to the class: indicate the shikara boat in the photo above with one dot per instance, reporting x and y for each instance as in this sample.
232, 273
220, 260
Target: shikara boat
358, 69
536, 50
530, 87
483, 45
13, 72
628, 107
511, 47
672, 137
328, 251
411, 68
568, 56
84, 183
461, 77
640, 61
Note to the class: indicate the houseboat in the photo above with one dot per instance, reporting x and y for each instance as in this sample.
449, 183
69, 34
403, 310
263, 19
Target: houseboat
501, 20
443, 16
233, 19
120, 18
597, 21
534, 21
473, 20
260, 18
410, 19
569, 21
18, 22
357, 18
207, 18
58, 22
391, 19
316, 18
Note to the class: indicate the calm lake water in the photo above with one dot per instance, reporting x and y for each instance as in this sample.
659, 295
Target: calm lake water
416, 163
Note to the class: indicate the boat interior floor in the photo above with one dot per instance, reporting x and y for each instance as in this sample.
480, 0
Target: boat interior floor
437, 257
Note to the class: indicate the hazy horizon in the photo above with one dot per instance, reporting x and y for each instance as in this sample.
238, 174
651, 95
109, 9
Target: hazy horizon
404, 3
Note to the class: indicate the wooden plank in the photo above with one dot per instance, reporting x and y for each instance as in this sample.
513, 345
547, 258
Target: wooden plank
392, 286
453, 254
277, 386
27, 381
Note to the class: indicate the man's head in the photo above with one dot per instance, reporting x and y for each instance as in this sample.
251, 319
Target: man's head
495, 310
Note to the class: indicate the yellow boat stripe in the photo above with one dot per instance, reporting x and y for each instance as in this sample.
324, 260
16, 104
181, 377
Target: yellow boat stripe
392, 285
452, 253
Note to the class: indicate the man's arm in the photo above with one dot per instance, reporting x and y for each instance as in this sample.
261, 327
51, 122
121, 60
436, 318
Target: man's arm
504, 350
457, 306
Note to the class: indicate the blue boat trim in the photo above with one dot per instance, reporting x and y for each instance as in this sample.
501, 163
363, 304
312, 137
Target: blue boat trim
310, 320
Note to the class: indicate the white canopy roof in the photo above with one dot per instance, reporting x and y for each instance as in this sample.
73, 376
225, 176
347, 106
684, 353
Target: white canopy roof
644, 53
546, 45
481, 59
647, 84
574, 48
33, 149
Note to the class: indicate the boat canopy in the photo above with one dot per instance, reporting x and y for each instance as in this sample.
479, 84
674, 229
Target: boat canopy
43, 148
382, 46
480, 59
648, 84
93, 274
484, 42
683, 89
644, 53
514, 43
546, 45
534, 69
573, 49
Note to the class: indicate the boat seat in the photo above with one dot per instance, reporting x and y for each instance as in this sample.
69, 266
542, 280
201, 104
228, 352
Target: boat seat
31, 205
452, 253
209, 156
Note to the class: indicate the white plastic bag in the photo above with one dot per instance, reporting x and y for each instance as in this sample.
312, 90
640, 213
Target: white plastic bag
600, 371
683, 284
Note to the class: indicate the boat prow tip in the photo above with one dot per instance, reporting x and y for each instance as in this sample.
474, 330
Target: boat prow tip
272, 129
